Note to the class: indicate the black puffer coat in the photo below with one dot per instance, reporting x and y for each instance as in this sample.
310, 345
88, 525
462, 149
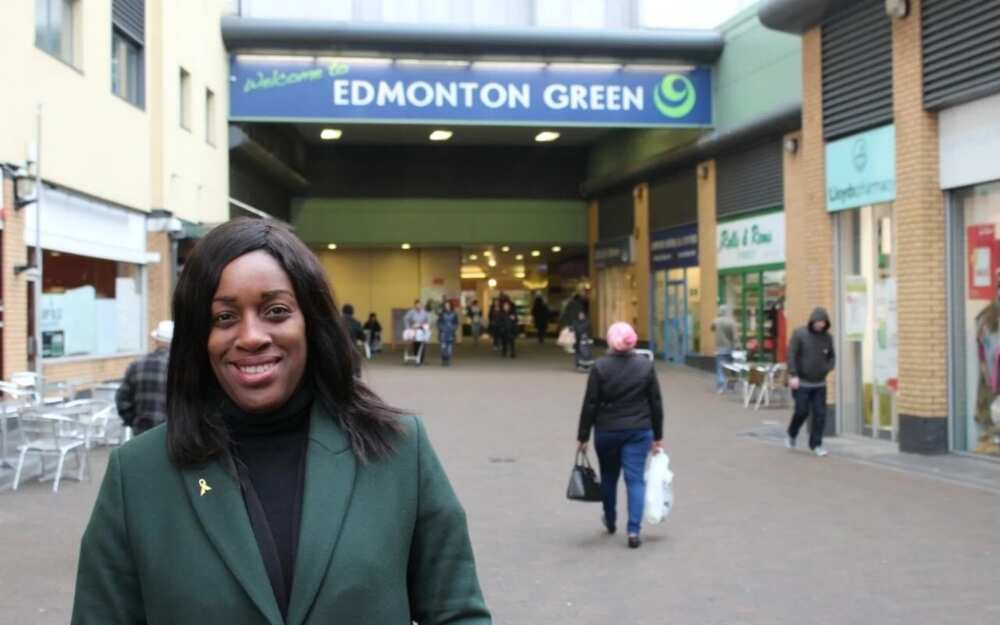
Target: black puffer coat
623, 393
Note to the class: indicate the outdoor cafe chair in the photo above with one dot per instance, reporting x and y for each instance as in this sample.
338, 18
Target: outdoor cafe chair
51, 435
15, 401
775, 386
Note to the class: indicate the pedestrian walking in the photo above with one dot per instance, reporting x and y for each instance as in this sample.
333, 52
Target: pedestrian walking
583, 340
357, 334
447, 324
494, 319
540, 316
417, 324
374, 331
724, 327
810, 360
622, 404
142, 397
509, 328
571, 311
265, 499
474, 313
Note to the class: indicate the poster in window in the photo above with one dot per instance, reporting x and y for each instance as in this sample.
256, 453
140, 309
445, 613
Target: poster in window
982, 261
855, 307
886, 354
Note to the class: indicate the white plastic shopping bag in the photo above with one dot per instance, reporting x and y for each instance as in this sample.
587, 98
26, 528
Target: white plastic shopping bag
659, 488
566, 340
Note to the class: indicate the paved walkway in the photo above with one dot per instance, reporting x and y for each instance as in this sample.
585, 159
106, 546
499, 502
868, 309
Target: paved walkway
759, 534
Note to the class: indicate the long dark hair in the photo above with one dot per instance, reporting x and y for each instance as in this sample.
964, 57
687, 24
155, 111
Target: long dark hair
195, 429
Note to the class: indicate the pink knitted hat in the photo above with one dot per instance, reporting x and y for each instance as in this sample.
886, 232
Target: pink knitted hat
621, 337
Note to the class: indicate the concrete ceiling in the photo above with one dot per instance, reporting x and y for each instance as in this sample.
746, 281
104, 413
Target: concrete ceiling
416, 134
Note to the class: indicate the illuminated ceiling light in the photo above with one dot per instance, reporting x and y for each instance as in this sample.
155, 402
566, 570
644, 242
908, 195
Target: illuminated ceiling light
546, 136
492, 263
519, 275
405, 246
493, 283
535, 253
487, 253
519, 257
331, 134
473, 256
556, 249
441, 135
331, 246
505, 248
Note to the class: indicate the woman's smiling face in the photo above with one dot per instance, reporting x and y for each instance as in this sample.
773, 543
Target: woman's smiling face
257, 342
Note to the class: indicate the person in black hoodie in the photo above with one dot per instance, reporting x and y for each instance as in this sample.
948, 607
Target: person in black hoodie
810, 360
623, 406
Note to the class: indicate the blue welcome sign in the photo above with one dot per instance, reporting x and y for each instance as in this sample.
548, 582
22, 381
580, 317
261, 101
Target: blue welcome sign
311, 89
675, 247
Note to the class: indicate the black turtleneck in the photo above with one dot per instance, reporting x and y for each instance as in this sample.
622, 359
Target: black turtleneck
270, 454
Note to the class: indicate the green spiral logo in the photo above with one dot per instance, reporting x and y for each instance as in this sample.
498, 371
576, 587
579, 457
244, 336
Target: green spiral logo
675, 97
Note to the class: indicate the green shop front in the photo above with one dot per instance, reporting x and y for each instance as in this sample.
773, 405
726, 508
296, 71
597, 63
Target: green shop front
750, 256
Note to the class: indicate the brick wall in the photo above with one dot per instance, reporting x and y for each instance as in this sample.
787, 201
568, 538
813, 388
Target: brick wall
920, 234
808, 227
641, 285
707, 253
158, 280
15, 288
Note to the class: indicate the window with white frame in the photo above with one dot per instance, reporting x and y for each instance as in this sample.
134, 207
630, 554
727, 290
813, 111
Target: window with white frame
57, 29
210, 117
185, 99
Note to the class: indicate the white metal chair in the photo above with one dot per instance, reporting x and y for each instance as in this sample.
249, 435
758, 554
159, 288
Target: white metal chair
733, 378
47, 434
756, 379
14, 402
94, 416
775, 385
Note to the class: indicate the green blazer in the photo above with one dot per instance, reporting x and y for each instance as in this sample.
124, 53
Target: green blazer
380, 543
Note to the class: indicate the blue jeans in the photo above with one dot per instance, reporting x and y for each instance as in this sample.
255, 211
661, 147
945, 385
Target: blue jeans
720, 373
623, 449
447, 348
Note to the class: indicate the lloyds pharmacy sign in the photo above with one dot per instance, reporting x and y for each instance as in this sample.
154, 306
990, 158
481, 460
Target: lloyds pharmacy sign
861, 169
283, 89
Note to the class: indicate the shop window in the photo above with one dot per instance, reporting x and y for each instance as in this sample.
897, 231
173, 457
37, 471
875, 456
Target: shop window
126, 68
756, 299
57, 29
90, 306
978, 324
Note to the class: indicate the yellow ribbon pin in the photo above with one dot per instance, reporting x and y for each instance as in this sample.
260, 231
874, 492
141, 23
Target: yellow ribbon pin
204, 487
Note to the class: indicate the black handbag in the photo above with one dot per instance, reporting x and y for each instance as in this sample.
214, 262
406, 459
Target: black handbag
583, 484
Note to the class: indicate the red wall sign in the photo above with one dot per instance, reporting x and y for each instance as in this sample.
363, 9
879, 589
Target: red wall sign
982, 261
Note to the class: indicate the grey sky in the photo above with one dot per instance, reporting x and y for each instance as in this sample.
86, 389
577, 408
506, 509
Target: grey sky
689, 13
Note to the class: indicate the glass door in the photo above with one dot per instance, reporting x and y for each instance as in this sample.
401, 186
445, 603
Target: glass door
675, 327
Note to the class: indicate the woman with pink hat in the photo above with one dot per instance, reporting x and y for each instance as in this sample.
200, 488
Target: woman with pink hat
622, 405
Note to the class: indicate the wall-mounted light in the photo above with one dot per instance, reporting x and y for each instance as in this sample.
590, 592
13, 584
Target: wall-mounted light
897, 8
791, 145
25, 184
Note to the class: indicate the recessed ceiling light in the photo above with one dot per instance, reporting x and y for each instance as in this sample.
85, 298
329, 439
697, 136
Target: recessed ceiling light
556, 249
487, 253
473, 256
331, 134
519, 257
492, 263
546, 135
535, 253
331, 246
492, 283
441, 135
405, 246
505, 248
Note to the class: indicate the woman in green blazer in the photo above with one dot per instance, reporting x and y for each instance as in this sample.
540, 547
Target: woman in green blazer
281, 490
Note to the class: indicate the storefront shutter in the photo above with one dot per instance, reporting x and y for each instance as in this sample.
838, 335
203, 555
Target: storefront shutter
673, 201
130, 17
615, 215
857, 69
961, 45
750, 180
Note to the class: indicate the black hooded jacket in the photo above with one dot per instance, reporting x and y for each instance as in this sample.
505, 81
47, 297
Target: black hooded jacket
810, 353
